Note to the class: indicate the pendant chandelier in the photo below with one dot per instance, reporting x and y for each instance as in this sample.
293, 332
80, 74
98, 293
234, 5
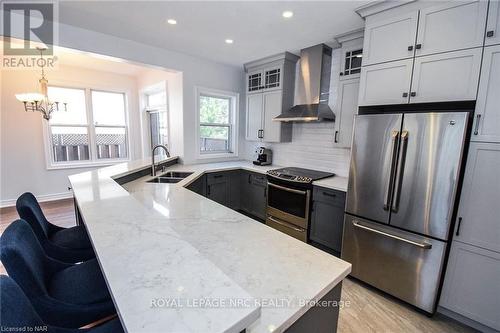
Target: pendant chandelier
39, 101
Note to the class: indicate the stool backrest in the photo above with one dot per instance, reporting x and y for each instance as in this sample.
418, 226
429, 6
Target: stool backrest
24, 258
29, 210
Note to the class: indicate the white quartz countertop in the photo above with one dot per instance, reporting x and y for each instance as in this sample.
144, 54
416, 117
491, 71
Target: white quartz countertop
175, 261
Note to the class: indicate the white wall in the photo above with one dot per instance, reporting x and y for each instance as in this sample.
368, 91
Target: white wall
312, 143
23, 163
173, 86
195, 72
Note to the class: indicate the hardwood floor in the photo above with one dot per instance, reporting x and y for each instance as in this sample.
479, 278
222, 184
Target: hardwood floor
366, 310
369, 310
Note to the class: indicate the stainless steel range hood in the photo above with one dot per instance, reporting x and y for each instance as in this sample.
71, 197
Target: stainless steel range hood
313, 87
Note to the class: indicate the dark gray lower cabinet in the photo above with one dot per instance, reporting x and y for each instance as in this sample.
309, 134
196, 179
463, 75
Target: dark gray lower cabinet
218, 187
327, 219
234, 189
199, 185
253, 196
237, 189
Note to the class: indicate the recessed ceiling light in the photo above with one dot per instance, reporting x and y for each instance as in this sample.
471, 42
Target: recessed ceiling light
171, 21
287, 14
229, 41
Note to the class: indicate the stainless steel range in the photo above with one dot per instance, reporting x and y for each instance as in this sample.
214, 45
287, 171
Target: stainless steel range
289, 198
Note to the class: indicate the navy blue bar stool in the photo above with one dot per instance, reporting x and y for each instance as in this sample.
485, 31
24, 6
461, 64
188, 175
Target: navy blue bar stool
64, 244
66, 295
17, 312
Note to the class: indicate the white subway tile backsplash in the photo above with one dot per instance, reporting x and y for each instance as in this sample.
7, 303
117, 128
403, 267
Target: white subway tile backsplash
311, 147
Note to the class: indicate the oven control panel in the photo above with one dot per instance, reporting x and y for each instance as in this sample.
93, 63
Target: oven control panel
293, 178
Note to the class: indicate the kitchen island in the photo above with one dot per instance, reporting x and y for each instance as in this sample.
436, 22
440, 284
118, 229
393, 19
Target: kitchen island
175, 261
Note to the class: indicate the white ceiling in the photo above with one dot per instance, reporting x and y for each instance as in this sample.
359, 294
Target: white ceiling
91, 61
257, 27
75, 58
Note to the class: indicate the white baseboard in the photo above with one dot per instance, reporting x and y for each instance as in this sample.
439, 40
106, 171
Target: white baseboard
40, 198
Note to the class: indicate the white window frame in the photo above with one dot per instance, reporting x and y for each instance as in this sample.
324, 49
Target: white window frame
234, 98
93, 161
158, 87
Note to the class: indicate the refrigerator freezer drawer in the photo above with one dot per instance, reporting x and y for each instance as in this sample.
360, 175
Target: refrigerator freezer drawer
403, 264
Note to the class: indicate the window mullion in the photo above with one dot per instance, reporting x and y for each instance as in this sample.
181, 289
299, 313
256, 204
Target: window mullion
90, 125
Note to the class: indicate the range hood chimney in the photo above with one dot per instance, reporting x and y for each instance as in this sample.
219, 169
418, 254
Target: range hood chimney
313, 87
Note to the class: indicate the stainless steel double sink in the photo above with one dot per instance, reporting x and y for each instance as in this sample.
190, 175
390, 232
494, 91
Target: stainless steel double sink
170, 177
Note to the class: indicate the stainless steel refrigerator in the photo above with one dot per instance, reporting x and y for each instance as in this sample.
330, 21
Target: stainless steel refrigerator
404, 173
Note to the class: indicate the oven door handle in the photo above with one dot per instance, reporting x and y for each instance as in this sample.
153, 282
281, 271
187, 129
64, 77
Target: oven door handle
286, 225
286, 189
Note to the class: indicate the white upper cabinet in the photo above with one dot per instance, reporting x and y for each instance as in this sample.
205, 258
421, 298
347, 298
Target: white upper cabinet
451, 26
478, 221
391, 39
270, 85
272, 109
387, 83
487, 119
493, 24
347, 107
254, 116
451, 76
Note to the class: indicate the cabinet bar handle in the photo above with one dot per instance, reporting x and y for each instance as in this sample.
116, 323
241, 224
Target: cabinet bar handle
476, 128
208, 192
336, 137
458, 226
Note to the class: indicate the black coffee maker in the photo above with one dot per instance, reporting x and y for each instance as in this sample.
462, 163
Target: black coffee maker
264, 156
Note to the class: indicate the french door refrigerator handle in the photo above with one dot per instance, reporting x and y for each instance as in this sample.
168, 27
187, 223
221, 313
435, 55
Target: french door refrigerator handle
424, 245
390, 183
399, 171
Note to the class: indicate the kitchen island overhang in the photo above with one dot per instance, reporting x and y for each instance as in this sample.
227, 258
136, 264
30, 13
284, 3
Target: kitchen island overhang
161, 243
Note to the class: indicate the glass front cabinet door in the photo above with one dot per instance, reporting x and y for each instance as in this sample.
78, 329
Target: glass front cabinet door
254, 81
264, 80
272, 77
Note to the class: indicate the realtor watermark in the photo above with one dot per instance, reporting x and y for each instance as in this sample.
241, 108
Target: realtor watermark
40, 328
27, 28
213, 303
